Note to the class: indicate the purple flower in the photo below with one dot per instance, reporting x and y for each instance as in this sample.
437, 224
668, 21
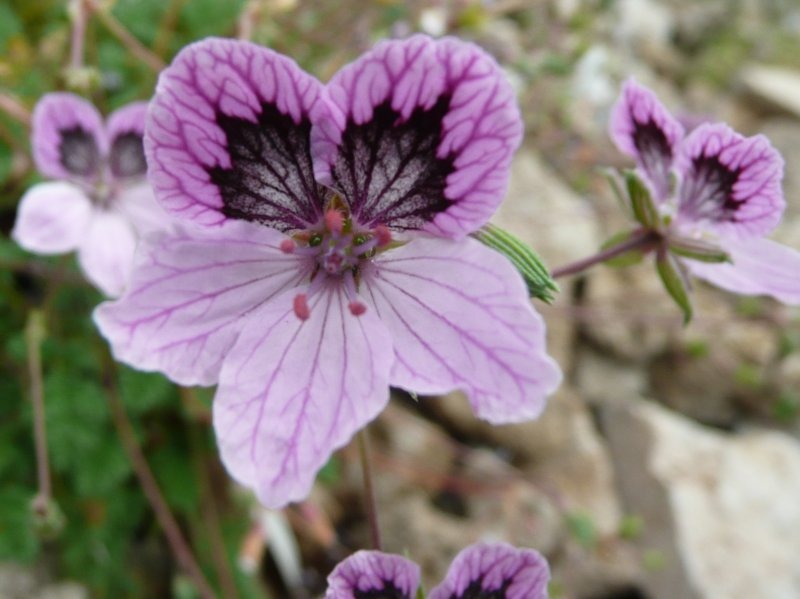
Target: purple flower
330, 257
100, 201
714, 189
490, 570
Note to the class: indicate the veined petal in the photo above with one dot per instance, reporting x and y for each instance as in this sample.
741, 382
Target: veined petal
189, 295
496, 571
67, 137
52, 218
424, 137
730, 183
106, 252
125, 130
292, 391
460, 318
228, 136
644, 129
757, 267
375, 574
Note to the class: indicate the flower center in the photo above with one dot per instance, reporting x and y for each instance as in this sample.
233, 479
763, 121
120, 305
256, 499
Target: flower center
339, 248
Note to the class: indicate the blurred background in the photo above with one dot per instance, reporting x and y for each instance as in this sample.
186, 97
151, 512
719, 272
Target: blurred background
667, 466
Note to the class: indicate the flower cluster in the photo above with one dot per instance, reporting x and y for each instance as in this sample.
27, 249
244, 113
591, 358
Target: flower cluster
490, 570
326, 252
706, 200
99, 202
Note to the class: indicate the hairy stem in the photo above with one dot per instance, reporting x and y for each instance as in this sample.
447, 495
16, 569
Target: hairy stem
177, 543
642, 240
77, 11
369, 492
126, 38
34, 335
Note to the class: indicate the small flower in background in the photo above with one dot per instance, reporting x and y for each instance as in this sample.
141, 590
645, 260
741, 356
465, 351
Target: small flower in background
332, 258
100, 201
706, 201
491, 570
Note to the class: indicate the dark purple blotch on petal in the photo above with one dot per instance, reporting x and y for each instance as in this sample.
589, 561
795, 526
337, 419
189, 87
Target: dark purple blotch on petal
126, 158
655, 152
271, 177
388, 591
707, 191
388, 170
78, 151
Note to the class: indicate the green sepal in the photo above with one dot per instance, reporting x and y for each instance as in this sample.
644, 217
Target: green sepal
642, 205
420, 593
698, 250
615, 183
630, 257
537, 276
675, 282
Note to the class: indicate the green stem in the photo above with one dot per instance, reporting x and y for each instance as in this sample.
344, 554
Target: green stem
34, 335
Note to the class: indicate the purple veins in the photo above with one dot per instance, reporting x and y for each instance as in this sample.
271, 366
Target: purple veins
713, 186
99, 202
481, 571
331, 260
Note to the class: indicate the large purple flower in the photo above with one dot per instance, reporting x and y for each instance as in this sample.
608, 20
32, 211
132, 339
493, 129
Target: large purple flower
713, 188
100, 201
331, 258
481, 571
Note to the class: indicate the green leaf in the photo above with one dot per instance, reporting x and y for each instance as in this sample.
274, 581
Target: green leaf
17, 537
145, 391
644, 209
629, 258
695, 249
675, 282
537, 276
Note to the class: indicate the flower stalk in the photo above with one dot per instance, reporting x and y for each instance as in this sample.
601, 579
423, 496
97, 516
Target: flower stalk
642, 241
34, 335
370, 504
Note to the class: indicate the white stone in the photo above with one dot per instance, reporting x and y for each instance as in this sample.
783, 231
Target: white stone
776, 85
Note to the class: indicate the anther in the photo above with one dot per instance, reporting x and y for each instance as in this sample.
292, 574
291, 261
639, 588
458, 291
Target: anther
287, 246
300, 305
357, 308
383, 235
334, 221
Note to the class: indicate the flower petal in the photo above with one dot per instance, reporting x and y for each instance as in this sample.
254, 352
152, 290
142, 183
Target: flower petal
125, 130
189, 295
106, 253
759, 267
140, 207
291, 392
460, 318
67, 137
373, 574
228, 136
425, 136
643, 128
52, 218
731, 183
496, 571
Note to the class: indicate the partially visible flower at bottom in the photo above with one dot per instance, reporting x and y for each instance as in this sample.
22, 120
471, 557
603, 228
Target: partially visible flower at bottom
483, 570
99, 201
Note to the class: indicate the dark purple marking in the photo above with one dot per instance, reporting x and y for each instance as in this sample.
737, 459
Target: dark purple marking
271, 179
388, 171
78, 151
655, 152
126, 158
708, 190
389, 591
475, 590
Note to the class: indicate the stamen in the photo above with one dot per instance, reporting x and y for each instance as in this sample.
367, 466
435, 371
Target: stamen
383, 235
300, 305
334, 221
287, 246
357, 308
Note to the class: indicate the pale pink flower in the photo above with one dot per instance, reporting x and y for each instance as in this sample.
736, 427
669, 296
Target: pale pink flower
99, 201
330, 257
490, 570
712, 186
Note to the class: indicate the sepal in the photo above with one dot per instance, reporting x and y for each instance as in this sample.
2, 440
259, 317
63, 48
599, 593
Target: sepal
675, 281
696, 249
629, 258
533, 270
641, 200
